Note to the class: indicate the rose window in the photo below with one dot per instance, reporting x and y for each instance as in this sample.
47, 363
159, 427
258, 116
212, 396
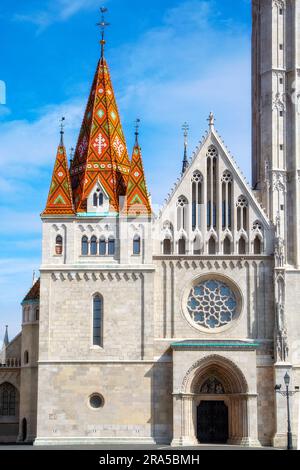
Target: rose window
212, 304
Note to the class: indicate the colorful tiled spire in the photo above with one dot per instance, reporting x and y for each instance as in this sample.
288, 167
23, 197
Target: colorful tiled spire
137, 198
60, 201
101, 153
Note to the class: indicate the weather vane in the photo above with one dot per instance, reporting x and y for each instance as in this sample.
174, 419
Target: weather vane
137, 126
102, 26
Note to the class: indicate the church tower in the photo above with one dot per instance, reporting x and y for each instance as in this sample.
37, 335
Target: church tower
276, 93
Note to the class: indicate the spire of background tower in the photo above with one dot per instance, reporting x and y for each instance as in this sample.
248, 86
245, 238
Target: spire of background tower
102, 25
185, 162
6, 340
137, 126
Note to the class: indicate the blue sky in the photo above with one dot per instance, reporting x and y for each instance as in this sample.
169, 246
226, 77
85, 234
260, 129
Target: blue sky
171, 61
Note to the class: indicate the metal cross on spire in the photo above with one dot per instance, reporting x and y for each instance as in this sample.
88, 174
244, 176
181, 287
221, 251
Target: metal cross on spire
102, 25
137, 126
185, 162
62, 130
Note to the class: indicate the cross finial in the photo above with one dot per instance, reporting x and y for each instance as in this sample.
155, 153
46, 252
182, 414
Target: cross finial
137, 127
211, 120
62, 130
102, 25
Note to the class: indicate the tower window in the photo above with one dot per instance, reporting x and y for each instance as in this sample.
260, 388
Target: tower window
182, 246
95, 200
97, 320
137, 245
111, 246
93, 246
281, 113
84, 246
100, 199
37, 314
58, 245
280, 11
281, 81
242, 246
212, 246
102, 246
281, 47
167, 249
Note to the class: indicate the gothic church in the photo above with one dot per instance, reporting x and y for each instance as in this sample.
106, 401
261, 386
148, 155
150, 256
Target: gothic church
170, 328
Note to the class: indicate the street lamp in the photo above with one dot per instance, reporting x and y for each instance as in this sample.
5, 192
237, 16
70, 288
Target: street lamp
287, 393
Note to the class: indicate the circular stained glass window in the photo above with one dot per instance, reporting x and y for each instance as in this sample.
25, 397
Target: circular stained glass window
212, 304
96, 401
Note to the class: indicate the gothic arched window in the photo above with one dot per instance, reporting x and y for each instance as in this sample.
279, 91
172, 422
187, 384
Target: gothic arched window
226, 200
84, 246
136, 245
94, 246
111, 246
257, 246
182, 246
227, 246
102, 246
98, 320
196, 199
242, 246
182, 213
242, 213
95, 200
197, 245
212, 205
100, 199
8, 400
167, 246
26, 357
212, 246
58, 245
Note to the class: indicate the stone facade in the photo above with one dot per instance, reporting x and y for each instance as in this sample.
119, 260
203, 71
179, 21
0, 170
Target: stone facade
174, 328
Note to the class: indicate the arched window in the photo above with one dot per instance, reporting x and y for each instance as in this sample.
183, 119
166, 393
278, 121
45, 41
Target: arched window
167, 248
97, 321
94, 246
26, 357
111, 246
257, 246
182, 246
226, 200
100, 199
212, 155
242, 246
95, 200
242, 213
136, 245
182, 213
212, 246
8, 400
58, 245
227, 246
196, 199
37, 314
102, 246
84, 246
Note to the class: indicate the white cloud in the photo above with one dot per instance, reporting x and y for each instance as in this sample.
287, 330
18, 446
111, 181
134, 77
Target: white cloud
55, 11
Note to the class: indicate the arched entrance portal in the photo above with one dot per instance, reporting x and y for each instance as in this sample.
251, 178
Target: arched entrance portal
215, 405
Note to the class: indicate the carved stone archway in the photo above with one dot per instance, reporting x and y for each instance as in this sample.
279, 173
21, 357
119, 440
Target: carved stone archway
228, 385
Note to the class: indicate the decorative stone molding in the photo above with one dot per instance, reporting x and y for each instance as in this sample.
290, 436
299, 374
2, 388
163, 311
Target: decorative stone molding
279, 102
279, 4
213, 359
279, 180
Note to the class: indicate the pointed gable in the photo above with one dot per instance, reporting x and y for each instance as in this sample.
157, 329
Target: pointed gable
137, 199
60, 200
101, 152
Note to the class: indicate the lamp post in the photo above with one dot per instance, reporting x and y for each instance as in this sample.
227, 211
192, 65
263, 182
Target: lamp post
287, 393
